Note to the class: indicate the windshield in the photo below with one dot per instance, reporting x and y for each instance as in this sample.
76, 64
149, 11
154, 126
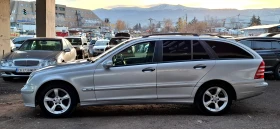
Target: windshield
75, 41
47, 45
101, 43
92, 42
116, 41
20, 40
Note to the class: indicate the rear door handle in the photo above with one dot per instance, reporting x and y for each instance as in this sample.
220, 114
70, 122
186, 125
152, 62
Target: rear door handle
199, 67
148, 70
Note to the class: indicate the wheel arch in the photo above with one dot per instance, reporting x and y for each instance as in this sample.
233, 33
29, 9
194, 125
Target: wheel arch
57, 82
230, 87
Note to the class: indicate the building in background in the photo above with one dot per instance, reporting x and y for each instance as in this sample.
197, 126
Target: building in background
24, 13
257, 30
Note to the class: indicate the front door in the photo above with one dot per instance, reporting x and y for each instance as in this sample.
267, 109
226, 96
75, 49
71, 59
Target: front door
132, 77
183, 64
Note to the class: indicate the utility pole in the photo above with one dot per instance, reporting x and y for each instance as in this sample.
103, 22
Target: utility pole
238, 25
150, 19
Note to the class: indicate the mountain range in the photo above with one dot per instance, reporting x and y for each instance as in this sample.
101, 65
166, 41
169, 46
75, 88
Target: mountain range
134, 15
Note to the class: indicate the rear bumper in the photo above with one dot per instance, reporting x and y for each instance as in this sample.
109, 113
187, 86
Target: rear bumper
248, 90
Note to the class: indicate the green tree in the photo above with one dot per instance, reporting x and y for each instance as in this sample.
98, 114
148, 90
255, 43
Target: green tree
258, 21
194, 21
180, 25
255, 21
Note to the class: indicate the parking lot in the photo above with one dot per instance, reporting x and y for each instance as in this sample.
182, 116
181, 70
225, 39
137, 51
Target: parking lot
255, 113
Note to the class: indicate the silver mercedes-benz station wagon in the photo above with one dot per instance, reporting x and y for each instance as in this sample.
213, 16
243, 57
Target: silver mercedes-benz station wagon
178, 69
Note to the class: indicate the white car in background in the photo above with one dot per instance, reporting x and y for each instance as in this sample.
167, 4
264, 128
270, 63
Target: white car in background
100, 46
13, 46
19, 40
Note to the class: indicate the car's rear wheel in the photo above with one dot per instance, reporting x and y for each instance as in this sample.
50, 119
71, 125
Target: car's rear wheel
58, 100
7, 79
214, 99
277, 72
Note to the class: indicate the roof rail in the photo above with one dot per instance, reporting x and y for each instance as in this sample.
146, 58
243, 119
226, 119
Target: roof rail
159, 34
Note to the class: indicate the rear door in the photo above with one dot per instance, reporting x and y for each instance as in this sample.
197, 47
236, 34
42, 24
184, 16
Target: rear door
183, 63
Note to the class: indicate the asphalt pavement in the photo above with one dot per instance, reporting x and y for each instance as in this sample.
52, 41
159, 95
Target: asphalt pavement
261, 112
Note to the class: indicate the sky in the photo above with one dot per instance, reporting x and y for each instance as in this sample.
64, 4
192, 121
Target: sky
211, 4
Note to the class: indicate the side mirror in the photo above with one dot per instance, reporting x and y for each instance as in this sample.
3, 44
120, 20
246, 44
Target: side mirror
108, 64
67, 50
14, 49
85, 44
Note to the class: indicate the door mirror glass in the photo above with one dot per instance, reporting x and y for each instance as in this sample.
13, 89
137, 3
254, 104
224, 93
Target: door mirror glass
85, 44
108, 64
67, 50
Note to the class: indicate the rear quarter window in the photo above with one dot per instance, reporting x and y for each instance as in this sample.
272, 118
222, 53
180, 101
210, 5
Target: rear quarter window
228, 51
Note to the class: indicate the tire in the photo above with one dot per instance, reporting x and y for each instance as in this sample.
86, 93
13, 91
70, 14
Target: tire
223, 100
7, 79
67, 98
277, 72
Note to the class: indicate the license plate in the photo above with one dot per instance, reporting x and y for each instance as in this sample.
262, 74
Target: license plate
25, 70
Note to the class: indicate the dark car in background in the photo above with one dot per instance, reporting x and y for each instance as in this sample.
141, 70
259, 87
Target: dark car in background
269, 49
119, 37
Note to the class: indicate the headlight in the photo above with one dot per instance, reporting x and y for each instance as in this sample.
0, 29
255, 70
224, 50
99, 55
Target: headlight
48, 62
6, 63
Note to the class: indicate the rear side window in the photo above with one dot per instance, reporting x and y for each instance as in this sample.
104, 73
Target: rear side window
248, 43
176, 50
261, 44
228, 51
199, 52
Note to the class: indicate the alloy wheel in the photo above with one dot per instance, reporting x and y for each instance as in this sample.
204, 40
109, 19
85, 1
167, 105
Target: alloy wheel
215, 99
57, 101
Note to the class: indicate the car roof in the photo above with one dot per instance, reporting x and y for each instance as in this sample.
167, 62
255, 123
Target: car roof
44, 38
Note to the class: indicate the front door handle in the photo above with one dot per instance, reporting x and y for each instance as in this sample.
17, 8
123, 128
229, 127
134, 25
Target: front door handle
199, 67
148, 70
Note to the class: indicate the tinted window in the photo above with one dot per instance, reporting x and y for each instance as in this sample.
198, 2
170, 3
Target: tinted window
247, 43
261, 45
199, 52
275, 45
141, 53
176, 50
228, 51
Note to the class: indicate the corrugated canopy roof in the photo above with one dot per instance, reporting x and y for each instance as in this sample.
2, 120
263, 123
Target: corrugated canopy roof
261, 27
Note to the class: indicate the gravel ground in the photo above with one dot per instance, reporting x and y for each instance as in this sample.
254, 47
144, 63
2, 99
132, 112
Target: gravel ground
260, 112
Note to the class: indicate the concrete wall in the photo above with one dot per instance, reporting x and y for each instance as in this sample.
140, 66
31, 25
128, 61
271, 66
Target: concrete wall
4, 27
45, 18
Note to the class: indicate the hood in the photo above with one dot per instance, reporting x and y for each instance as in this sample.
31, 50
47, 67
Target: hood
33, 54
99, 47
62, 66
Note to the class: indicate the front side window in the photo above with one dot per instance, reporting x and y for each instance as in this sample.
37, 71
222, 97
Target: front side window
141, 53
176, 50
48, 45
275, 45
228, 51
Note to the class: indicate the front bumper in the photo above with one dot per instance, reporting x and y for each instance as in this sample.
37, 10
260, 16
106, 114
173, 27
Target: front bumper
12, 71
28, 96
248, 90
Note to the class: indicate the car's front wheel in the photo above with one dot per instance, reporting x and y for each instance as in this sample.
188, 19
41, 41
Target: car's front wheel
214, 99
277, 72
58, 100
